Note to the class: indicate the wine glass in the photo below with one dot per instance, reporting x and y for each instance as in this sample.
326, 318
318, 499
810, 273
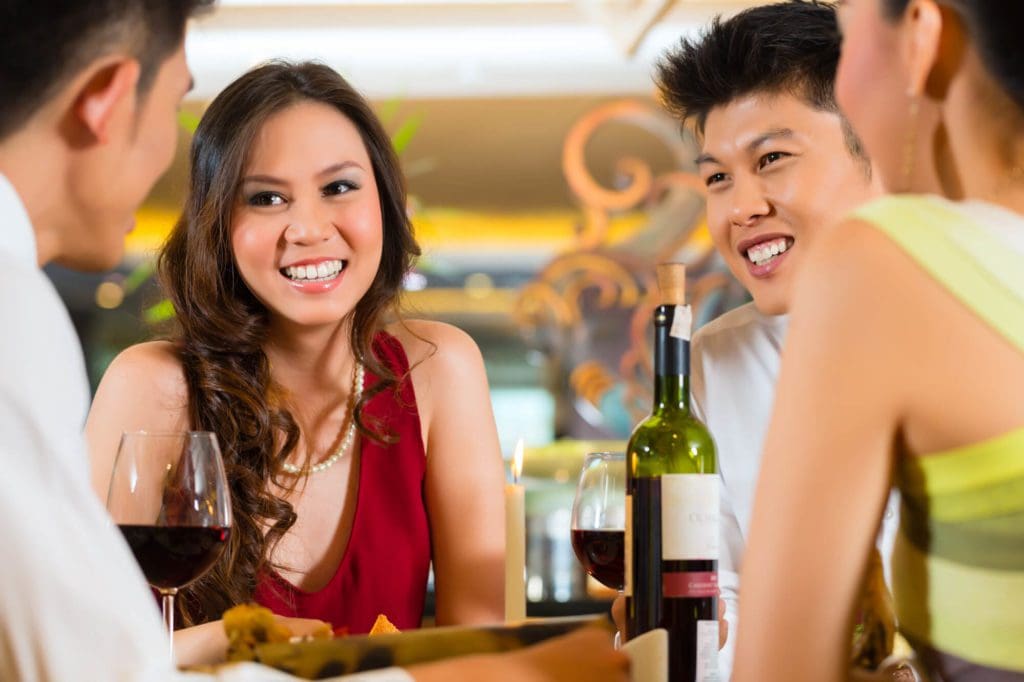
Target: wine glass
599, 517
169, 496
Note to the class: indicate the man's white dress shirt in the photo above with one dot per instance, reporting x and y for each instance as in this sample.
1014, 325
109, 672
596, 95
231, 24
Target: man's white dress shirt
735, 366
73, 603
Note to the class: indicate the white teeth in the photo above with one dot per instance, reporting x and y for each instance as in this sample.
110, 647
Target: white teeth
322, 271
765, 252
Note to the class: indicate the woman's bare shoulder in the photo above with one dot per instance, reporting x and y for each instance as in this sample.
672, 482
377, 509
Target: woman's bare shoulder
142, 389
434, 344
857, 262
153, 366
860, 297
450, 382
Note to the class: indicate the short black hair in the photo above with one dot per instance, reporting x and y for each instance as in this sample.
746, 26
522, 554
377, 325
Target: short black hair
787, 47
45, 42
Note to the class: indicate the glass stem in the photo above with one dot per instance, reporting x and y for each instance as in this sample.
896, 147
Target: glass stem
167, 606
617, 642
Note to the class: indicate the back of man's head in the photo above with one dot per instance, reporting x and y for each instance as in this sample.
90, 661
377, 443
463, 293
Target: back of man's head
45, 44
784, 48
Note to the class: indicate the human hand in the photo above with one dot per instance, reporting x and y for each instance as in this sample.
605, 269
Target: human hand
204, 644
619, 617
207, 644
584, 654
892, 670
899, 668
723, 624
305, 627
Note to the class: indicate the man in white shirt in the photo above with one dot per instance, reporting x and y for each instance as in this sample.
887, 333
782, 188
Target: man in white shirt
88, 121
780, 163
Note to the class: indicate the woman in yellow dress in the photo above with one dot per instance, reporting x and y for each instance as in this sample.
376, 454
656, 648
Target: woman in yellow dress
905, 365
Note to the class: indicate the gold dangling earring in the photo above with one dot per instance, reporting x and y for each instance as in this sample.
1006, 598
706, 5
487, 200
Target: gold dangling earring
1014, 177
1017, 173
910, 145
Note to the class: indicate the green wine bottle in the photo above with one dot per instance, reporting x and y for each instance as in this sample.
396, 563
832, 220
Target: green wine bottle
672, 504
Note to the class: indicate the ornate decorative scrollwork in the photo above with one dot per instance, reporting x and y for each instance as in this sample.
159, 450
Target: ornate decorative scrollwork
588, 310
600, 202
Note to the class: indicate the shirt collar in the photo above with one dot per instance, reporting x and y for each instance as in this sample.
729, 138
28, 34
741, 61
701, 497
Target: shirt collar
776, 324
18, 239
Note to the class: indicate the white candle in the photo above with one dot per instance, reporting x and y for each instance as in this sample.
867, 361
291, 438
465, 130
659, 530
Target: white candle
515, 542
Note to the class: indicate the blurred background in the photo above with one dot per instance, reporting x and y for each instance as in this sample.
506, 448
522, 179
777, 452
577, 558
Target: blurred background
545, 183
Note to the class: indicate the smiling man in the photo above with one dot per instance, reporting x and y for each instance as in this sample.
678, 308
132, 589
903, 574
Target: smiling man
780, 164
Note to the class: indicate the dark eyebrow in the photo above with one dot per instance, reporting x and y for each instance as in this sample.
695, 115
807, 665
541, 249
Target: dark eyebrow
264, 179
768, 136
761, 139
271, 180
334, 168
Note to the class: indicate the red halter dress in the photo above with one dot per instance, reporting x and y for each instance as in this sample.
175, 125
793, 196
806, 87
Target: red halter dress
384, 568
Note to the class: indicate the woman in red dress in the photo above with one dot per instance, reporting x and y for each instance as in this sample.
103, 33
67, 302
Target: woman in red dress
360, 448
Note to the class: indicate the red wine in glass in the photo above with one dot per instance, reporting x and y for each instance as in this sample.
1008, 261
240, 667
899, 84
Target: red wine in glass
174, 556
602, 554
170, 498
599, 517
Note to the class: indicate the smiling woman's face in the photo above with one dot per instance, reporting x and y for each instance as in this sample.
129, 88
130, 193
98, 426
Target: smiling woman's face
307, 231
777, 172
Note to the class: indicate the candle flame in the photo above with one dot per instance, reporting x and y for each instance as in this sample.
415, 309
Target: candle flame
517, 461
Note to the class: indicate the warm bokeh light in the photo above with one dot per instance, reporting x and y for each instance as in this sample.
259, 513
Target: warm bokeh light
479, 285
109, 295
517, 461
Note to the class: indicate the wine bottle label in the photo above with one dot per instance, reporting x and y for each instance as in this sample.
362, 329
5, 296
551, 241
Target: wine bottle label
682, 323
689, 517
627, 553
690, 584
707, 651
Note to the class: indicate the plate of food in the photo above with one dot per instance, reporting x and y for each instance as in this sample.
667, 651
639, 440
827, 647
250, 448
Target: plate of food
254, 634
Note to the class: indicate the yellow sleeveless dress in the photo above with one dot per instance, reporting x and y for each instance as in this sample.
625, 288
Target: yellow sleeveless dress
958, 565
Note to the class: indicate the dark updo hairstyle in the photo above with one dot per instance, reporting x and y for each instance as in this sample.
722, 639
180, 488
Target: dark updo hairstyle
995, 27
221, 326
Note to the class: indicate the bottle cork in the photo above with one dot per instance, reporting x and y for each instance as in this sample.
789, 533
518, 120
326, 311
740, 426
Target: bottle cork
672, 283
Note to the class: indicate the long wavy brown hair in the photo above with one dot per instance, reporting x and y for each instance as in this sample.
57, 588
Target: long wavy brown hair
221, 328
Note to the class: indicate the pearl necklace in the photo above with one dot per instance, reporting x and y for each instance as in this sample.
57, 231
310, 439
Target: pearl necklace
346, 442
